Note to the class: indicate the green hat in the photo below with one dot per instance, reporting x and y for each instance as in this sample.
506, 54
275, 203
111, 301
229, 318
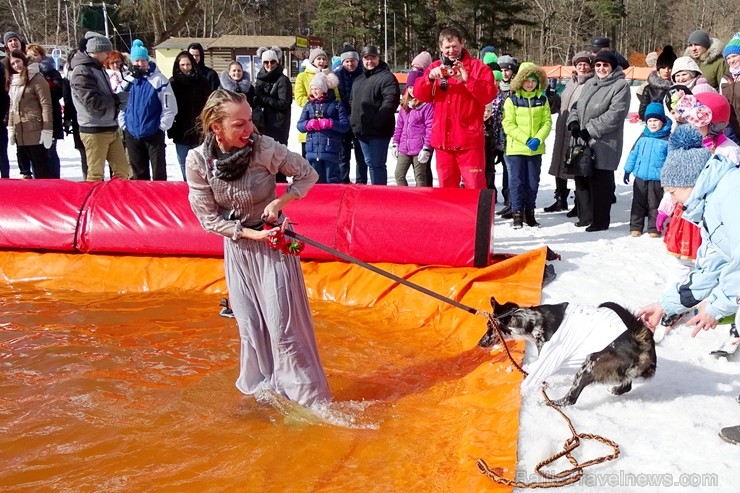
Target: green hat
490, 57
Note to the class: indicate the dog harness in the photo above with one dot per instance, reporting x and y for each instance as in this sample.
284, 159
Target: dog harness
584, 330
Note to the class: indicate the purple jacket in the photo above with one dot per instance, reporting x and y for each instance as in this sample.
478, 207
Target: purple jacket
414, 129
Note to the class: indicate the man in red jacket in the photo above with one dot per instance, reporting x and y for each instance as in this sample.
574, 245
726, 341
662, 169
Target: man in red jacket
459, 85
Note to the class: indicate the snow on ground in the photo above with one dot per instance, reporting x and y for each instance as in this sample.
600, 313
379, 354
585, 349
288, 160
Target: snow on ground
666, 428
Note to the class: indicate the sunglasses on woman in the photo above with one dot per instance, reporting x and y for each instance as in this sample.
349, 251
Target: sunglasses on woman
270, 62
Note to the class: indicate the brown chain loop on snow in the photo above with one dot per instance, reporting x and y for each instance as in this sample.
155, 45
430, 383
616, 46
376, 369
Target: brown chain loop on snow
562, 478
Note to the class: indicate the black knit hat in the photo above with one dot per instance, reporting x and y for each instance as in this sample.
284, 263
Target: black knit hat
607, 56
666, 57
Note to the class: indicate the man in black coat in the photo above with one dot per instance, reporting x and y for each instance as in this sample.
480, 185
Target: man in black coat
196, 49
374, 99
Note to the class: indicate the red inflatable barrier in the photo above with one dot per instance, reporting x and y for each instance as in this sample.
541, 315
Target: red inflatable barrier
375, 224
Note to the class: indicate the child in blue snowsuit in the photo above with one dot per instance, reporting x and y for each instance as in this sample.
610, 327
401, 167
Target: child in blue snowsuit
645, 161
324, 121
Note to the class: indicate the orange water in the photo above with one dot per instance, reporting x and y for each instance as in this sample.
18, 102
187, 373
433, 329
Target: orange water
135, 392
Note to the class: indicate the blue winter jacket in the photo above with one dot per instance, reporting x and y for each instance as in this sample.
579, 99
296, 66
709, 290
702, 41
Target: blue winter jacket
713, 206
151, 105
648, 154
324, 144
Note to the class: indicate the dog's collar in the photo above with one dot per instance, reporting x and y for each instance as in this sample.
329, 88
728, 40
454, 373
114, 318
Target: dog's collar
506, 314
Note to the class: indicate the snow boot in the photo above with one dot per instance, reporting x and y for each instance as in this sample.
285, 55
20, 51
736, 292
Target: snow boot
518, 220
561, 202
530, 220
505, 211
225, 308
730, 434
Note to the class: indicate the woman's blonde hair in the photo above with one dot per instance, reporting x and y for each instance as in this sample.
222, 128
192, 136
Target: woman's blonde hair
214, 112
407, 97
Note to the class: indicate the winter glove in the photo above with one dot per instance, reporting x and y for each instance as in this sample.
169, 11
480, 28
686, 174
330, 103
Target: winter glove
11, 136
67, 127
326, 123
533, 144
312, 125
424, 156
585, 135
626, 179
394, 151
574, 129
46, 138
660, 221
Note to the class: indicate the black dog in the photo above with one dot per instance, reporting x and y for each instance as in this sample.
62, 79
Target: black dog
631, 355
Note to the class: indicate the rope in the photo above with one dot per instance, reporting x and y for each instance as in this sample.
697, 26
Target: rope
561, 478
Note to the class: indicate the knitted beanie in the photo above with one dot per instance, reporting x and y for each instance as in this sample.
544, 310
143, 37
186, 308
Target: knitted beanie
138, 50
666, 58
607, 56
412, 76
583, 56
651, 59
97, 43
700, 38
732, 47
422, 60
271, 54
10, 35
490, 57
348, 51
655, 110
508, 61
319, 80
686, 158
315, 53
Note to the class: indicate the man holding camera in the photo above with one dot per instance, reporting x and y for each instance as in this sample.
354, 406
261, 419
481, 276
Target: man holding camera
459, 85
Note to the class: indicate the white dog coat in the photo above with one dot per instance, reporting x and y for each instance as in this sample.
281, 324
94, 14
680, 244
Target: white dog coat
584, 330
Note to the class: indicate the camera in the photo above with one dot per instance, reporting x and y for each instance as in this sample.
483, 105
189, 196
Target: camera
447, 71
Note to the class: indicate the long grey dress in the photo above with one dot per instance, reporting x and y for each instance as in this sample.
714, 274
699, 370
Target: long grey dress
266, 288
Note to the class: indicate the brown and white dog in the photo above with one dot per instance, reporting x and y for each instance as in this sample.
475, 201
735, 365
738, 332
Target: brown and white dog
610, 344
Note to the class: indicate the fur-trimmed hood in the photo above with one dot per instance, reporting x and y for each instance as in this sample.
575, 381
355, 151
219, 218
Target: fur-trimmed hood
656, 81
525, 70
713, 54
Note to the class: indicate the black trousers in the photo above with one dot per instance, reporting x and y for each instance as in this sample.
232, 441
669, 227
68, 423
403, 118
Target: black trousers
4, 162
595, 195
345, 156
143, 151
646, 196
34, 161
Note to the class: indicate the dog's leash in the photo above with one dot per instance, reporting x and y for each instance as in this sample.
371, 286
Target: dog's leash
561, 478
349, 258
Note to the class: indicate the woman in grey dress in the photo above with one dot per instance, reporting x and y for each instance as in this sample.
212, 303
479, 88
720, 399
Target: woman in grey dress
231, 177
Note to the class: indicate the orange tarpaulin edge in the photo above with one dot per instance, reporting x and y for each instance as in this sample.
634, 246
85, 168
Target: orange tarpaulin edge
436, 344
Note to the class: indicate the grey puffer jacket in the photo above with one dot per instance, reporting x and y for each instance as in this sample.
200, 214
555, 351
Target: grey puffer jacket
601, 109
568, 99
96, 106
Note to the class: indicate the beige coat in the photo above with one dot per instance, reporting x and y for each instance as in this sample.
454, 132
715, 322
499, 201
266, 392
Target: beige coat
30, 108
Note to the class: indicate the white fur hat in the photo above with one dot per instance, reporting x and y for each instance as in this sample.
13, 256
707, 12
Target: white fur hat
267, 54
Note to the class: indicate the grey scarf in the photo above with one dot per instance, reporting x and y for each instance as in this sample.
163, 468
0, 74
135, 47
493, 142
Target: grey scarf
229, 166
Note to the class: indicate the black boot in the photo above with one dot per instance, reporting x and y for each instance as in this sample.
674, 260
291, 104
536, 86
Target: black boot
530, 220
518, 220
574, 211
561, 202
505, 212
